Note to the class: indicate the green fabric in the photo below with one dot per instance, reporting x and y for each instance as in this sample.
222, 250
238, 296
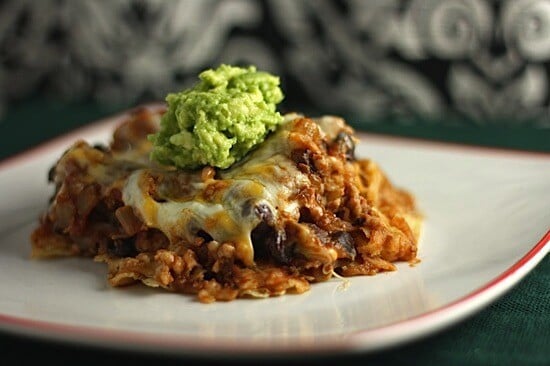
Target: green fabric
26, 124
514, 330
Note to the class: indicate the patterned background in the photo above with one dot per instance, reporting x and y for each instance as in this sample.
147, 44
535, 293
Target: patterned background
475, 61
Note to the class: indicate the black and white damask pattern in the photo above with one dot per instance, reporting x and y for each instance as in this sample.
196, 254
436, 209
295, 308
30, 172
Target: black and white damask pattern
478, 60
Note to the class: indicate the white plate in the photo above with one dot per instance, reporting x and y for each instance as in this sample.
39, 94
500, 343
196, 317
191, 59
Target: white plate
487, 225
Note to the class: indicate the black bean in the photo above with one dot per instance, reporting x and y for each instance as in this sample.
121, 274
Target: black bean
51, 174
263, 211
270, 242
303, 159
346, 145
205, 236
101, 147
344, 241
122, 247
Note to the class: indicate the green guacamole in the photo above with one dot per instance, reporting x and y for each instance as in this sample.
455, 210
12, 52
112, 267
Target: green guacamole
219, 120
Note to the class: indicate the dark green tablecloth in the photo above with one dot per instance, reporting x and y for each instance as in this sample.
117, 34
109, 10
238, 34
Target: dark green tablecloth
514, 330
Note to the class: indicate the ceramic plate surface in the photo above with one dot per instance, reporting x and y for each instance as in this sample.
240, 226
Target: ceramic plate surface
487, 221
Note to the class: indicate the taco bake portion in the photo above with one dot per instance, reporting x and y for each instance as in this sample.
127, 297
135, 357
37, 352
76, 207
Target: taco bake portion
298, 209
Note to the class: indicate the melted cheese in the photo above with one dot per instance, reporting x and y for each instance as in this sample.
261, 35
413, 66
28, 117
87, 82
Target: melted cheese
267, 177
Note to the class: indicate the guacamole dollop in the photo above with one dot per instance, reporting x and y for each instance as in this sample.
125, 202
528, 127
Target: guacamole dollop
219, 120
